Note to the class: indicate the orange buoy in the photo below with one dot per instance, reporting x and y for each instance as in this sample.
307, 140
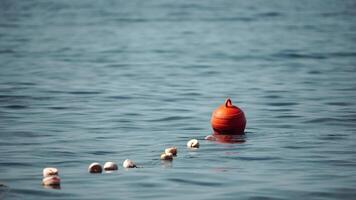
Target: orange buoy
228, 119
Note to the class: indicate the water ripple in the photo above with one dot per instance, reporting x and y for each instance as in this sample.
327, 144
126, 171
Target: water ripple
16, 107
85, 92
170, 118
278, 104
194, 182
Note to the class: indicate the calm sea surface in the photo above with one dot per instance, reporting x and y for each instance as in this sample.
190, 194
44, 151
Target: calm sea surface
95, 81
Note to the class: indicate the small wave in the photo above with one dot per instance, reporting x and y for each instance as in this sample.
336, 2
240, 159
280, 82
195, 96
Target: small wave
258, 158
334, 137
194, 182
20, 83
133, 20
209, 73
112, 51
192, 128
338, 103
188, 32
186, 6
269, 14
58, 108
191, 94
190, 19
42, 98
26, 133
15, 164
288, 116
276, 91
61, 153
330, 14
132, 114
15, 107
295, 55
172, 118
100, 153
272, 96
148, 185
7, 51
85, 92
243, 19
294, 147
38, 193
177, 109
123, 121
117, 65
323, 120
336, 14
282, 103
165, 51
278, 109
119, 97
343, 54
178, 14
314, 72
13, 97
13, 25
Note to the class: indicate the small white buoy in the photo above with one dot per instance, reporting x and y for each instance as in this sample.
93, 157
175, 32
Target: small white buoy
129, 164
95, 168
172, 150
166, 156
110, 166
51, 180
194, 143
50, 171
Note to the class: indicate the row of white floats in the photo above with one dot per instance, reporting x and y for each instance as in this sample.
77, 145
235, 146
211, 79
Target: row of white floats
51, 177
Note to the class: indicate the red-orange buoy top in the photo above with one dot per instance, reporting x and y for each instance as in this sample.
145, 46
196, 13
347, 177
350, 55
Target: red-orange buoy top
228, 119
227, 110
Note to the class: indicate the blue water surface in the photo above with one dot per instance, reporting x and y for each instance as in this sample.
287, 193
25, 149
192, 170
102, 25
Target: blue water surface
94, 81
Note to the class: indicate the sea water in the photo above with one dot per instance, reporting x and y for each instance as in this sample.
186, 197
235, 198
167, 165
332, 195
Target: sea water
96, 81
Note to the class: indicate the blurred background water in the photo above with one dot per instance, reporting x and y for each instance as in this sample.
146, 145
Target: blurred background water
84, 81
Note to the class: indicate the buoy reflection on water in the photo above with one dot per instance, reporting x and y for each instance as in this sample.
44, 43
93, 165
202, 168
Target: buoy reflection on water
231, 139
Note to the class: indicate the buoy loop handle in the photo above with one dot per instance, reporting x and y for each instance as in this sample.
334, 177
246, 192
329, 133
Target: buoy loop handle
228, 102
